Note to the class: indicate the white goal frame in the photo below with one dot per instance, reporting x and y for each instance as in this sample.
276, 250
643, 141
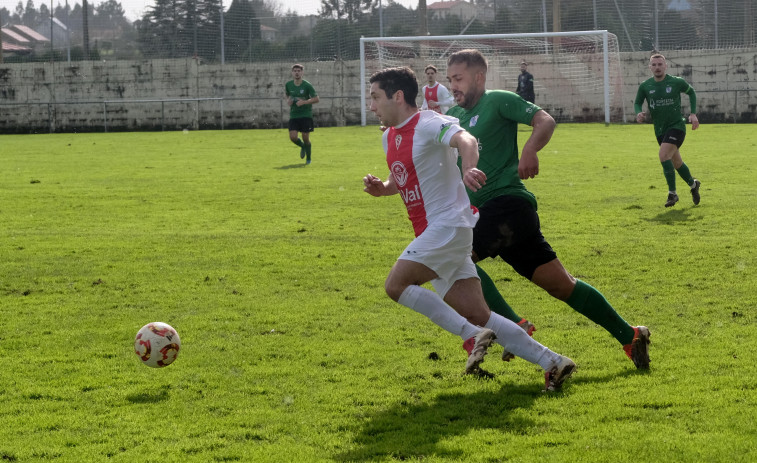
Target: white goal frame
547, 36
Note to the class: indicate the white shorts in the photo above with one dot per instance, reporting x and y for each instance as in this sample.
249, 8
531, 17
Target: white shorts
446, 251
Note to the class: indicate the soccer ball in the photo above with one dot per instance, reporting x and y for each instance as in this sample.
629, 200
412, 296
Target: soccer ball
157, 344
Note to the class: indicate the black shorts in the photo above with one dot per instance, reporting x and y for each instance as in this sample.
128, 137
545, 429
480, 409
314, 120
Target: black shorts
508, 226
673, 136
301, 124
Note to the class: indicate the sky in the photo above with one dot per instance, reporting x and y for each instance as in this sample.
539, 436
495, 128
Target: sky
134, 9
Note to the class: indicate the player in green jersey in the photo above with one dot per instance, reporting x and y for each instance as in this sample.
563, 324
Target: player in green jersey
508, 224
301, 97
663, 95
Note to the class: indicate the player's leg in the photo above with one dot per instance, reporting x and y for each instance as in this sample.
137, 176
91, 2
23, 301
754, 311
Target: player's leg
402, 285
294, 130
667, 152
465, 296
308, 127
426, 260
491, 232
532, 257
685, 174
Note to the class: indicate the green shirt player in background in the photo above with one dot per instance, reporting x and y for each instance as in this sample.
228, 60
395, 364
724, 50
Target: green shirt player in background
508, 225
663, 95
301, 97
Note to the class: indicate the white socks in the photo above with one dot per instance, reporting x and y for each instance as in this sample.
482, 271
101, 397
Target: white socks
509, 335
429, 303
515, 340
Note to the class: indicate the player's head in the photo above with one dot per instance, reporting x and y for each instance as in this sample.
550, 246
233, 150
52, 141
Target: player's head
393, 89
297, 70
523, 66
430, 72
466, 73
658, 65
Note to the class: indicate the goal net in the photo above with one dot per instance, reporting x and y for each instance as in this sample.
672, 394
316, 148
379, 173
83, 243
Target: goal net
577, 75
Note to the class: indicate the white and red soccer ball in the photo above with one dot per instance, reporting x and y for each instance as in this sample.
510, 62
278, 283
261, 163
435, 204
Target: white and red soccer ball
157, 344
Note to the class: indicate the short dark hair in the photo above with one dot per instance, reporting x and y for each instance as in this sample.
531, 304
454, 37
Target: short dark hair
471, 58
430, 66
298, 66
391, 80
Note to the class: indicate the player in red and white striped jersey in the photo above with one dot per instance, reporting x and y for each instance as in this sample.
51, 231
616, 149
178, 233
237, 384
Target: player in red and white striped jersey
436, 97
423, 170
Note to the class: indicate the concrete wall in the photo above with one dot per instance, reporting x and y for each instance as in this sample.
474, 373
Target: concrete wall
121, 95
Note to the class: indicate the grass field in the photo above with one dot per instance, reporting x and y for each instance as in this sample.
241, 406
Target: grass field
272, 272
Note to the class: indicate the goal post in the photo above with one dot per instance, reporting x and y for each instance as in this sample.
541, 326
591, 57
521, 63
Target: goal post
577, 75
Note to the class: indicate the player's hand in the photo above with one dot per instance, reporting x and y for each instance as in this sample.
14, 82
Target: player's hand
373, 185
528, 167
433, 104
640, 117
474, 179
694, 121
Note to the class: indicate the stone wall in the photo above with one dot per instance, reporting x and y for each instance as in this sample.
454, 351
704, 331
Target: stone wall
178, 94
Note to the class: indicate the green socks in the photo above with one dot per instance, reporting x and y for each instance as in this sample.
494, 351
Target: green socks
670, 174
683, 171
494, 299
590, 303
299, 143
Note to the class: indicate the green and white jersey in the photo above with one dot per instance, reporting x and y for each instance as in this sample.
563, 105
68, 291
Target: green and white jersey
304, 91
664, 101
494, 122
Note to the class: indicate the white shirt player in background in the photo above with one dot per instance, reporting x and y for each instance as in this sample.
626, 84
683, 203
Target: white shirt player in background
436, 97
423, 170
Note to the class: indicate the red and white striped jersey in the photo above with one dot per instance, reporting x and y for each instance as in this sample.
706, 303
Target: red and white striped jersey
425, 170
438, 93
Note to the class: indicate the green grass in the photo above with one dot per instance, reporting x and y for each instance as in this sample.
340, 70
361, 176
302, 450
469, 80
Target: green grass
273, 273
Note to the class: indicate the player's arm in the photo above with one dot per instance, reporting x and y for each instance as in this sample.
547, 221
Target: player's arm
637, 105
289, 99
445, 97
374, 186
693, 103
544, 127
467, 148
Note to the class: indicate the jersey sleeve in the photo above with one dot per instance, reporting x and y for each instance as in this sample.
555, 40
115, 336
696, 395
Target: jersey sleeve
445, 97
513, 107
639, 101
446, 127
689, 90
311, 90
424, 105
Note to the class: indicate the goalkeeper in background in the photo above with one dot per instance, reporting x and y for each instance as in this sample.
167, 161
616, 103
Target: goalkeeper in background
663, 95
301, 97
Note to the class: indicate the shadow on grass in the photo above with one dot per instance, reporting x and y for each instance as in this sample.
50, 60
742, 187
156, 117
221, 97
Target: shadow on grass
292, 166
413, 431
149, 397
672, 216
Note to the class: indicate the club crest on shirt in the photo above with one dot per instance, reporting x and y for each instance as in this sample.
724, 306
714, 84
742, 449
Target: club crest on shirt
398, 140
399, 172
668, 89
473, 121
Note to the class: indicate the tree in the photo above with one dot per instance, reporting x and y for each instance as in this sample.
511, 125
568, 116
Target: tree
351, 10
29, 15
242, 28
